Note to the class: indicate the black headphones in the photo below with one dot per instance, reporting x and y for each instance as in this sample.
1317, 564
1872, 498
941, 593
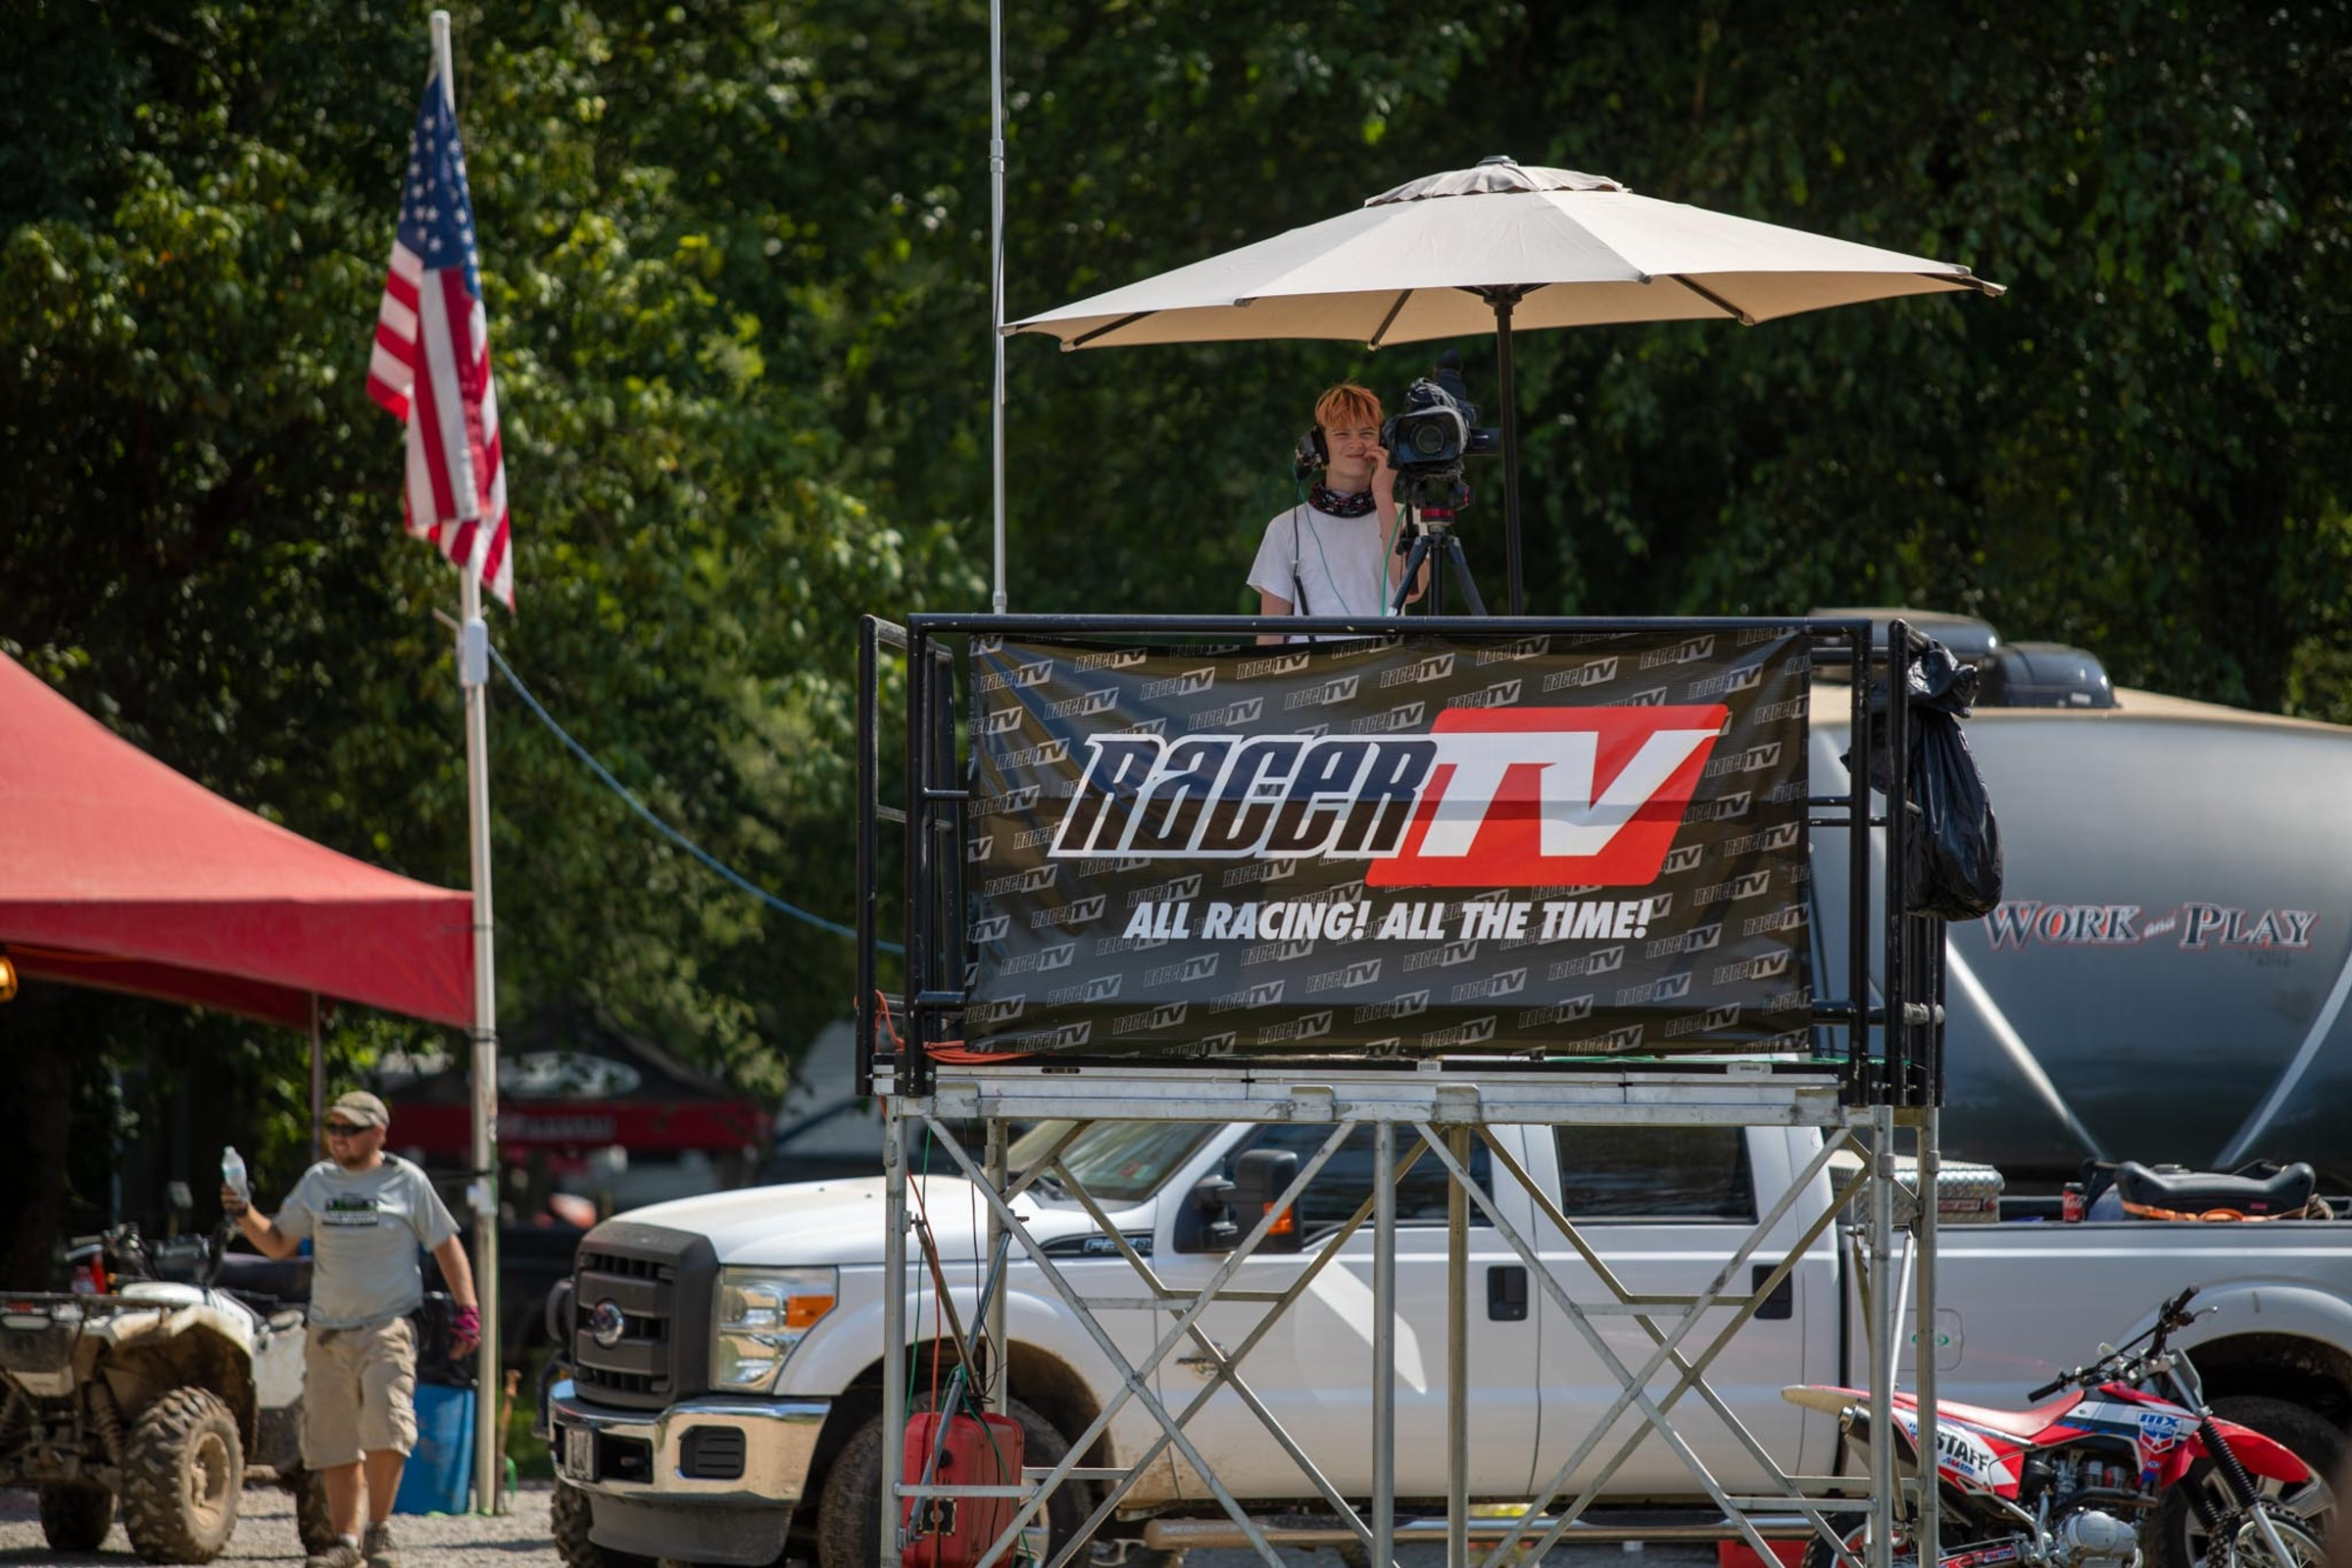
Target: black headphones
1312, 453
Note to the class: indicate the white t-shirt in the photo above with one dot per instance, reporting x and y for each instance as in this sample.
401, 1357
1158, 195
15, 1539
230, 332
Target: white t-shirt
1341, 563
364, 1230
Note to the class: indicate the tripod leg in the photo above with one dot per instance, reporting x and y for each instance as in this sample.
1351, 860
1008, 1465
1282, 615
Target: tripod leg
1461, 574
1412, 564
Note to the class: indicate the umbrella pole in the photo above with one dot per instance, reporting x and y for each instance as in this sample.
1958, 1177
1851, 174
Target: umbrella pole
1504, 300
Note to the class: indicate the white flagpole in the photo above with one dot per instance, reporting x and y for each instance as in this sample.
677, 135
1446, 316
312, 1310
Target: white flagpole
473, 675
995, 282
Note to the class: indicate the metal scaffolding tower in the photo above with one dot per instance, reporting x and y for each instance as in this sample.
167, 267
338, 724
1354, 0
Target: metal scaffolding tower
1874, 1077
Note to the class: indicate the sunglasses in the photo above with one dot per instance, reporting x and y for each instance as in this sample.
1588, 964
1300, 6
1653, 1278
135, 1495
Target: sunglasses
345, 1129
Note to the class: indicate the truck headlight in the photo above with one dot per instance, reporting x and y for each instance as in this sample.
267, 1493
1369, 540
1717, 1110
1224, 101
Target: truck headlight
762, 1313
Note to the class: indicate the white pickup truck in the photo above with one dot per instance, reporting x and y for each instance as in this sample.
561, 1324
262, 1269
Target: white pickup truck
679, 1436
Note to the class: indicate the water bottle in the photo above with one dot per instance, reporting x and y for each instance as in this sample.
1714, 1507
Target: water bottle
233, 1173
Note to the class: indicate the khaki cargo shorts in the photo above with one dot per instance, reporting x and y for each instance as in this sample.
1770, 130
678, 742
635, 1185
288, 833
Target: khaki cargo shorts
359, 1393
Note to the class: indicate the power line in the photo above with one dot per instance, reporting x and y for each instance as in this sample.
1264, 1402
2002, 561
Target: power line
664, 828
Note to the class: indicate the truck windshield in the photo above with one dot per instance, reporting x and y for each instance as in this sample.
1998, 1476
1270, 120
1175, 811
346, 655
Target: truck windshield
1117, 1161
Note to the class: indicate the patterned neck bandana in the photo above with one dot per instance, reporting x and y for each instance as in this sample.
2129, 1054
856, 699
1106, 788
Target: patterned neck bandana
1354, 504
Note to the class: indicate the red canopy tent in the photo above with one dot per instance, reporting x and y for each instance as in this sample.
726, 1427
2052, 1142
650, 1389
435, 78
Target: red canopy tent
120, 873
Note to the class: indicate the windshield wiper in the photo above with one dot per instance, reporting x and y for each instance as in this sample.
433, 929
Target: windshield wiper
1044, 1179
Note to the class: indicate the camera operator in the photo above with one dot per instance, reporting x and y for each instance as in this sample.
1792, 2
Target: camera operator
1335, 553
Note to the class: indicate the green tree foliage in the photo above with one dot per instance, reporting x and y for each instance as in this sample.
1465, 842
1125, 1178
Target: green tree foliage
736, 261
203, 512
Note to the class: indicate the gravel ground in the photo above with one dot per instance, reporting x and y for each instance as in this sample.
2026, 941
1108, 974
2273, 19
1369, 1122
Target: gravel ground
266, 1534
520, 1540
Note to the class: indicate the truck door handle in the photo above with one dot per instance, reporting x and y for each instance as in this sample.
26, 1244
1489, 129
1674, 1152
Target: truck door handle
1506, 1293
1782, 1303
1200, 1361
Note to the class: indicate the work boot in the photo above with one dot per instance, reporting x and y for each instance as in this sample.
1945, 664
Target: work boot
342, 1554
377, 1547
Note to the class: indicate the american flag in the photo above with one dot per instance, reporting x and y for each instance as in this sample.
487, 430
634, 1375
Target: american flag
431, 366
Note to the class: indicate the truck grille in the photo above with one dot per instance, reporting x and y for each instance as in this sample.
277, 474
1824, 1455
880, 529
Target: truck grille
658, 1281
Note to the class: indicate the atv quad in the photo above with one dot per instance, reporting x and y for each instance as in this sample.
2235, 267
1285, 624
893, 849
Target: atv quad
161, 1396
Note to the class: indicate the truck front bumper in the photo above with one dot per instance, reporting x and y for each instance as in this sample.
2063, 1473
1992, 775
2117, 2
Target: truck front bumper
711, 1479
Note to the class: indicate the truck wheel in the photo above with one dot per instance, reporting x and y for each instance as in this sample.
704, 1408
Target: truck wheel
180, 1477
572, 1520
76, 1515
312, 1520
2181, 1534
848, 1516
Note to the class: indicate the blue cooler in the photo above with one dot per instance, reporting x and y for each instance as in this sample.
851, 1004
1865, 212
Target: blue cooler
439, 1476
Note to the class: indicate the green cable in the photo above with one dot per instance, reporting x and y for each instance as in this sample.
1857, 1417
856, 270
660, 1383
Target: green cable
1380, 602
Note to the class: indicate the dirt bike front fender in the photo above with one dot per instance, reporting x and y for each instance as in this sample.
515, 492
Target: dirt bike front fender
2265, 1457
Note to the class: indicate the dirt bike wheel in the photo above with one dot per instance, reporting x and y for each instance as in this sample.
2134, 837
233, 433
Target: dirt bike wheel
76, 1515
313, 1521
572, 1519
2180, 1534
180, 1478
849, 1524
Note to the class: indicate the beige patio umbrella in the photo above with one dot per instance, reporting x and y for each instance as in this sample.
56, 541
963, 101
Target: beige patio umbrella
1497, 248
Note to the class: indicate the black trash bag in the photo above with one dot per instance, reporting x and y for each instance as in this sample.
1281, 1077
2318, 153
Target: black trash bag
1953, 867
434, 1321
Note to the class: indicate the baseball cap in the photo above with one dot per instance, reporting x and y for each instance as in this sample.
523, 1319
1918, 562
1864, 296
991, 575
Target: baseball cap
362, 1107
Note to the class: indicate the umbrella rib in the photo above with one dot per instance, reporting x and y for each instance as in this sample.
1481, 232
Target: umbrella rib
1716, 300
1084, 338
1970, 280
1388, 319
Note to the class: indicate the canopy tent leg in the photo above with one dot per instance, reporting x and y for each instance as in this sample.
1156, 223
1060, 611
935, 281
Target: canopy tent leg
318, 1088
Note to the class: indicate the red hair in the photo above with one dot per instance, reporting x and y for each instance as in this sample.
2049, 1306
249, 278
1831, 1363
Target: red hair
1347, 403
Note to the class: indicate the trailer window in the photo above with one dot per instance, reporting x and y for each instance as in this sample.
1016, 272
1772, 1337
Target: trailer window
1649, 1173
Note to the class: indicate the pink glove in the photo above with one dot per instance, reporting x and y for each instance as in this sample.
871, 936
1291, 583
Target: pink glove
465, 1333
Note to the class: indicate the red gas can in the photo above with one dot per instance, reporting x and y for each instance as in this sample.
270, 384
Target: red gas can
981, 1452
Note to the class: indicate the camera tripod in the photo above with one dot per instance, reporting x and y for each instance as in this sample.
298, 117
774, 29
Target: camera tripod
1437, 546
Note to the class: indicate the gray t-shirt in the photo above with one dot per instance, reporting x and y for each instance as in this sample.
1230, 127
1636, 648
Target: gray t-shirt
364, 1230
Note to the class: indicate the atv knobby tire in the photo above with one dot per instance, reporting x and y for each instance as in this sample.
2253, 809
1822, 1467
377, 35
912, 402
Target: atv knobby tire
313, 1521
180, 1478
572, 1518
76, 1515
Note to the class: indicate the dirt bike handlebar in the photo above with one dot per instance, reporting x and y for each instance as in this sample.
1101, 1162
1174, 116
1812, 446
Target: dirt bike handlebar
2173, 1314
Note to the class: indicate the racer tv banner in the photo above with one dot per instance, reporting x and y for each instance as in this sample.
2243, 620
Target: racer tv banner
1586, 844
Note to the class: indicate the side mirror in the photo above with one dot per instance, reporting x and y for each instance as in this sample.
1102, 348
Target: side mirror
1259, 1178
1205, 1223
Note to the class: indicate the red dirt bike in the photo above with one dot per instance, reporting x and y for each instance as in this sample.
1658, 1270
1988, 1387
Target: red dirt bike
2129, 1449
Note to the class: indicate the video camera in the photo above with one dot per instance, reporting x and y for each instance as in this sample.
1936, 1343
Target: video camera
1427, 439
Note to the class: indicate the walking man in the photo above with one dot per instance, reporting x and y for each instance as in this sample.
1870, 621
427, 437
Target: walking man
365, 1213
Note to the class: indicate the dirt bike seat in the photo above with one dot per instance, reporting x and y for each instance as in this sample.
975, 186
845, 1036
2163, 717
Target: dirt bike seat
2021, 1424
2260, 1190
